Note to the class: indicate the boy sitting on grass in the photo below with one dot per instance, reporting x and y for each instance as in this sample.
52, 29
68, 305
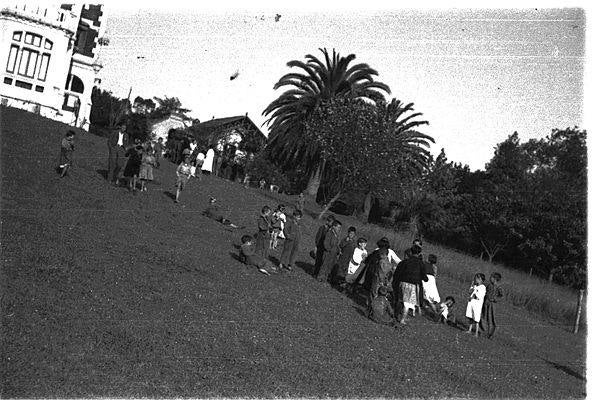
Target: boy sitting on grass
381, 310
249, 257
444, 310
213, 212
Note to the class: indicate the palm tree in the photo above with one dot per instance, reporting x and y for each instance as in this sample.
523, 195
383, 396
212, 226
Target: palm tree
168, 105
411, 145
318, 82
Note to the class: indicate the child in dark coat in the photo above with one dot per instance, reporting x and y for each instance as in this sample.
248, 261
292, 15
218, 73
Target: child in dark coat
264, 227
381, 310
249, 257
67, 147
132, 168
293, 236
493, 293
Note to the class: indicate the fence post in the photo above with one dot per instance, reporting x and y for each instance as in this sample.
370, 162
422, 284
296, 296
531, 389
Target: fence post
579, 304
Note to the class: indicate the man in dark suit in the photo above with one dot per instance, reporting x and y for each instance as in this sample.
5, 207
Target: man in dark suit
319, 238
117, 143
331, 250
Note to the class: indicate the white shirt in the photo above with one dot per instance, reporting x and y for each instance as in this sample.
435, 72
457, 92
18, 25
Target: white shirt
392, 256
120, 141
208, 160
193, 147
199, 158
357, 258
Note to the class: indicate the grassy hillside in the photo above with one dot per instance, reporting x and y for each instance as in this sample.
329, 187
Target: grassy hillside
106, 293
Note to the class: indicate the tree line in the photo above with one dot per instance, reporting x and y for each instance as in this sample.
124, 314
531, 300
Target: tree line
334, 135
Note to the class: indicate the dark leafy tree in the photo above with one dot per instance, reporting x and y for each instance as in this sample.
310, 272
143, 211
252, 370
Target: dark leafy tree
317, 82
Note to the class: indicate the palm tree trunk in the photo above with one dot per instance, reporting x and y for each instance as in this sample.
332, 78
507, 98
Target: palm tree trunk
329, 204
312, 188
367, 204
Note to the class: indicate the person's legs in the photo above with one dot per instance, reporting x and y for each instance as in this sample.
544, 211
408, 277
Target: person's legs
325, 270
318, 261
293, 254
112, 164
491, 322
120, 159
286, 254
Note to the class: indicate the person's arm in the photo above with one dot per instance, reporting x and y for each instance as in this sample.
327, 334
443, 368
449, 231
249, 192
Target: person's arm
395, 259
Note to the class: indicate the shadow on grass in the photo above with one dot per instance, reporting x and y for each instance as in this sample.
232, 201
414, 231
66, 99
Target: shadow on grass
169, 195
306, 267
566, 370
103, 173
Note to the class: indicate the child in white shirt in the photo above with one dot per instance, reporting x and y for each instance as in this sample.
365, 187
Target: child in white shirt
475, 304
357, 262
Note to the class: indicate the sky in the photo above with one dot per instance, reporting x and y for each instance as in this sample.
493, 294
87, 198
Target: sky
477, 75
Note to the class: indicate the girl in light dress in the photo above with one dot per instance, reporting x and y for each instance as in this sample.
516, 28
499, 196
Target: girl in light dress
430, 291
183, 172
147, 166
475, 304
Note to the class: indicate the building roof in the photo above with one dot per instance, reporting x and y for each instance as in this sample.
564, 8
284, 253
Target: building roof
219, 122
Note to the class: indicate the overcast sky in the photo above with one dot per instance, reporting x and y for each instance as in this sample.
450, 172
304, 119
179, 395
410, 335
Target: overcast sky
476, 75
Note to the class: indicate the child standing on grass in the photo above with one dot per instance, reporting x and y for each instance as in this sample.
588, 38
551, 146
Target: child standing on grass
264, 227
278, 220
147, 166
493, 293
183, 172
132, 168
430, 291
357, 262
67, 147
475, 304
293, 236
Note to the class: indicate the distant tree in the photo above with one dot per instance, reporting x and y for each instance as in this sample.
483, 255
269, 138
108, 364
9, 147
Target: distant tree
107, 110
137, 127
320, 81
143, 106
361, 146
168, 105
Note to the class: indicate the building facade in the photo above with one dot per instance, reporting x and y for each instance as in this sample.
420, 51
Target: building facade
51, 58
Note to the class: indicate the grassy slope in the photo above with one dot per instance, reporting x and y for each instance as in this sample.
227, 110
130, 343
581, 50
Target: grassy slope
109, 294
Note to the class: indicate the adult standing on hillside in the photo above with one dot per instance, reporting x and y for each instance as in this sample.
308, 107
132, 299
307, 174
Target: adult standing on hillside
331, 250
117, 143
207, 165
407, 276
319, 237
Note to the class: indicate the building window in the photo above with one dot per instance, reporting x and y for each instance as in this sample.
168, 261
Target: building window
28, 62
8, 81
24, 85
12, 58
43, 67
32, 38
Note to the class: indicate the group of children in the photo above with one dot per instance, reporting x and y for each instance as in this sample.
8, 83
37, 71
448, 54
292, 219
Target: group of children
140, 165
273, 227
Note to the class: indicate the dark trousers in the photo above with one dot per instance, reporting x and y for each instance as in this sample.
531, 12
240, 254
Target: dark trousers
329, 260
288, 255
318, 261
116, 158
488, 318
262, 244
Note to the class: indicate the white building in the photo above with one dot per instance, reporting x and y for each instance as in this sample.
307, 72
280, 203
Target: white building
51, 58
161, 128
